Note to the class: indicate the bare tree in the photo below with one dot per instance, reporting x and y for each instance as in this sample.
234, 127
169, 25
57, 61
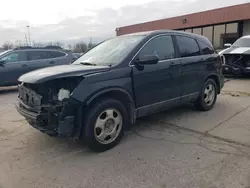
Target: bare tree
49, 44
8, 45
80, 47
18, 43
58, 43
38, 44
69, 46
91, 45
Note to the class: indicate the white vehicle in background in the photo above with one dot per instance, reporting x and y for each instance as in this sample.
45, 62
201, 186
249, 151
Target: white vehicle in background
236, 57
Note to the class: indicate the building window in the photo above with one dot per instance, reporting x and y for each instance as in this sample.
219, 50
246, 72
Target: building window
188, 30
231, 34
246, 28
232, 28
197, 31
208, 32
219, 30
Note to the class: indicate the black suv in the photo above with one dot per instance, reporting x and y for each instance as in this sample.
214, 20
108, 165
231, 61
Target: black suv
121, 79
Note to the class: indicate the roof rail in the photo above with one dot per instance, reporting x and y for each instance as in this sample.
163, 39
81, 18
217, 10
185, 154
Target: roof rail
53, 47
23, 47
30, 47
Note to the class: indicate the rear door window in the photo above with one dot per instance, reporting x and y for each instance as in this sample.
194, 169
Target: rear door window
38, 55
188, 47
161, 46
55, 54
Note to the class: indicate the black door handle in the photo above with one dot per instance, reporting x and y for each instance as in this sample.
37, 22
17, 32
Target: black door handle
24, 65
52, 62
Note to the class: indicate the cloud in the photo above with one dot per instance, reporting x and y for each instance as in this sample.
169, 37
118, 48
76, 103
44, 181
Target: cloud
100, 24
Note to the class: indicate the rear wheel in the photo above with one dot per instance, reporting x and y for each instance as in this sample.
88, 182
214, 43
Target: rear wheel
208, 96
104, 124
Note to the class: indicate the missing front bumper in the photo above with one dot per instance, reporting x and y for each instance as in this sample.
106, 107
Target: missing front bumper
51, 121
228, 69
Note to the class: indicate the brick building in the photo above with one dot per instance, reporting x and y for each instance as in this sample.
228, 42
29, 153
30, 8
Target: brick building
220, 26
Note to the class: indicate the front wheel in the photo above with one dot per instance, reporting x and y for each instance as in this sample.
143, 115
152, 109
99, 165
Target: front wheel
208, 96
104, 124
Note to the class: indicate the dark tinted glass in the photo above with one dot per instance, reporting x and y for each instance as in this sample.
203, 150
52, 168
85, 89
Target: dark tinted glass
36, 55
205, 48
55, 54
188, 47
161, 46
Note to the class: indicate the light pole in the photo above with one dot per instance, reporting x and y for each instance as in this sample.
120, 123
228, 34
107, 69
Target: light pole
28, 28
25, 36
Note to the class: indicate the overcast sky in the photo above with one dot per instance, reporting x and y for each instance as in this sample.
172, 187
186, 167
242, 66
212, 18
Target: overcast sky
53, 20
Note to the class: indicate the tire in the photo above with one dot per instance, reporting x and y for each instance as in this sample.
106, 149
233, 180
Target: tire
202, 102
103, 117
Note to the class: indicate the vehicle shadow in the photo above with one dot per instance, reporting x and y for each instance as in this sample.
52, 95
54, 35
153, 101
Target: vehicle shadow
163, 115
161, 123
12, 89
63, 147
242, 77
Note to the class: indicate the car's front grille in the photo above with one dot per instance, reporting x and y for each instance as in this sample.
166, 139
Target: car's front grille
29, 97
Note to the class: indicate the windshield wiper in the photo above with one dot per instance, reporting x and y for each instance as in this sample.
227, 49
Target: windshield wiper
86, 63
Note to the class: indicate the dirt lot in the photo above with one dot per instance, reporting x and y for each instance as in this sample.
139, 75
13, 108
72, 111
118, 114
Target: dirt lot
177, 148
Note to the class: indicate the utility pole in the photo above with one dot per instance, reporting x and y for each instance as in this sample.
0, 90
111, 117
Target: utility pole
28, 28
90, 43
26, 39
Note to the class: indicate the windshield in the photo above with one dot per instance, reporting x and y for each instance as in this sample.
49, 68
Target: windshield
242, 42
110, 52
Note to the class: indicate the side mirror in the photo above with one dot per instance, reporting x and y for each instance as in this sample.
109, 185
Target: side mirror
227, 45
2, 62
147, 60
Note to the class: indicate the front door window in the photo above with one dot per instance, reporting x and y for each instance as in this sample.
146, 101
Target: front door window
13, 57
161, 46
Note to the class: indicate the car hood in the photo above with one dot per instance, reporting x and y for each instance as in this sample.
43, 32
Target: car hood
61, 71
222, 51
238, 50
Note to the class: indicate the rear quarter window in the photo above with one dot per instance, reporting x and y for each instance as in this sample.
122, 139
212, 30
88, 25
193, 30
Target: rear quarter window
205, 48
55, 54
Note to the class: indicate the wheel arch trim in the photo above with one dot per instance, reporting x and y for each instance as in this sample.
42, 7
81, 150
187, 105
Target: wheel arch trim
216, 79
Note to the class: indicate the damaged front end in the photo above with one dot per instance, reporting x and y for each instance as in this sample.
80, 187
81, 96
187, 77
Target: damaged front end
48, 106
238, 64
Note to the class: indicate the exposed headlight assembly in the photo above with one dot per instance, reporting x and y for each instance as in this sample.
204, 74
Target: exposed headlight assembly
63, 94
